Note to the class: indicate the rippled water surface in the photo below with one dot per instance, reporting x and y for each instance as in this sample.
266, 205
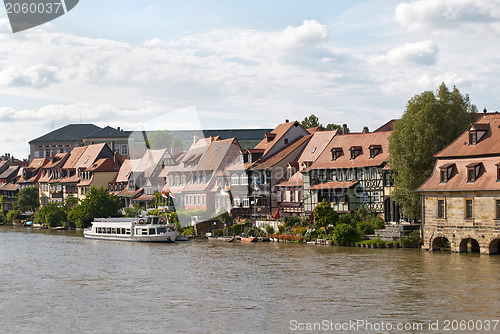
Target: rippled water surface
59, 282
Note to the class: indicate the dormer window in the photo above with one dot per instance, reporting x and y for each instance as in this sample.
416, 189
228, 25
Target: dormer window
498, 171
336, 152
476, 132
355, 151
270, 137
445, 172
473, 171
374, 150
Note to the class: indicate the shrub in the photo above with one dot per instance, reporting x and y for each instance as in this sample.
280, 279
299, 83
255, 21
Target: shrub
412, 239
344, 234
269, 229
238, 228
324, 214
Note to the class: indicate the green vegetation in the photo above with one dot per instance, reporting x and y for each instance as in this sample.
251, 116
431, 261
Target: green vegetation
27, 200
97, 203
313, 122
412, 239
325, 215
52, 214
430, 122
162, 139
345, 234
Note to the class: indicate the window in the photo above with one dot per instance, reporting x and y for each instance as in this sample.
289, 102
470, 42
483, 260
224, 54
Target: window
497, 208
236, 202
183, 180
373, 173
186, 199
441, 209
355, 151
472, 138
359, 175
244, 179
171, 180
124, 149
198, 199
286, 141
336, 152
374, 150
444, 176
469, 209
313, 150
202, 199
292, 196
375, 197
473, 171
177, 182
246, 202
235, 180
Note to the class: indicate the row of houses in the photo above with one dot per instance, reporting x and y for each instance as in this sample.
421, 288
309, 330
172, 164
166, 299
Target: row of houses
288, 172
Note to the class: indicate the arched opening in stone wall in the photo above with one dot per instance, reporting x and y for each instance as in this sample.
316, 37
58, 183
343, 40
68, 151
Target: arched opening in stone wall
441, 244
495, 246
469, 245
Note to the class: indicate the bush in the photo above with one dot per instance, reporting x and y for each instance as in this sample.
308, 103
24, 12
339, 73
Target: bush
344, 234
324, 215
51, 214
13, 215
269, 229
187, 230
412, 239
238, 228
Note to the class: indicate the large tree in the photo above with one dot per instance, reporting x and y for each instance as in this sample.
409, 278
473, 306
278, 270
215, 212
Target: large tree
27, 200
430, 122
98, 203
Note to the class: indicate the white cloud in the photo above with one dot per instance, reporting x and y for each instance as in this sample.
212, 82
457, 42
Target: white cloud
419, 53
465, 15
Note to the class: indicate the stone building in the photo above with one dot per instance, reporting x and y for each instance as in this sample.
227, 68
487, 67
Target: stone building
461, 199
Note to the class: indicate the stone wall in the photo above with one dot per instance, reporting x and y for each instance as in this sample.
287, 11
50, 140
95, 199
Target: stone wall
479, 233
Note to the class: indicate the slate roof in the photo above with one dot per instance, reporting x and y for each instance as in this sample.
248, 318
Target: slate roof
9, 172
68, 133
109, 132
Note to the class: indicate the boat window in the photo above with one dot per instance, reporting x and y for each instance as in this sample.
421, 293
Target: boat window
144, 231
152, 231
162, 230
127, 231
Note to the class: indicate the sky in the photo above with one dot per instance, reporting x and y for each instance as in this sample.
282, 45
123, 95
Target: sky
173, 64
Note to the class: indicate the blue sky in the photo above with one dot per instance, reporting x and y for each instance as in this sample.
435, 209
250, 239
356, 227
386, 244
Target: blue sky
236, 64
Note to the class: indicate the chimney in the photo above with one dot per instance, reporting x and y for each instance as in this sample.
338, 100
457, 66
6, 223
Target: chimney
118, 128
365, 129
195, 139
344, 129
286, 120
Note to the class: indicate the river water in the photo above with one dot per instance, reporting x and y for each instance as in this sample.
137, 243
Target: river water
59, 282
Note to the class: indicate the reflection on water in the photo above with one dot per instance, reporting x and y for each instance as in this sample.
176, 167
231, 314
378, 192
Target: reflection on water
60, 282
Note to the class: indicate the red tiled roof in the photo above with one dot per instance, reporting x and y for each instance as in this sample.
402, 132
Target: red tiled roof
129, 193
279, 132
358, 140
295, 181
286, 153
334, 185
10, 187
487, 179
489, 144
74, 156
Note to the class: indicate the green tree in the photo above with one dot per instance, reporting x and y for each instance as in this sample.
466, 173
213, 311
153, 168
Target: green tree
27, 200
52, 214
311, 122
324, 214
163, 139
345, 234
430, 122
97, 203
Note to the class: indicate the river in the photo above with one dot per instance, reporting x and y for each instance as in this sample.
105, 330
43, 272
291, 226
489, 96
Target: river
59, 282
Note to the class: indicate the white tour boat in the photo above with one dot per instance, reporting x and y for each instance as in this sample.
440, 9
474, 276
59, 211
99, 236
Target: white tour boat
146, 229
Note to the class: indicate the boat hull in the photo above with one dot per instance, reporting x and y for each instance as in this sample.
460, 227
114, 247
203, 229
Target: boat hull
139, 238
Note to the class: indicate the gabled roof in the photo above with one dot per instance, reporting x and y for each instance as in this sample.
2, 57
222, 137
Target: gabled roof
276, 134
215, 154
355, 141
57, 161
103, 165
9, 172
389, 126
74, 156
68, 133
283, 154
124, 172
295, 181
316, 145
90, 155
109, 132
489, 144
